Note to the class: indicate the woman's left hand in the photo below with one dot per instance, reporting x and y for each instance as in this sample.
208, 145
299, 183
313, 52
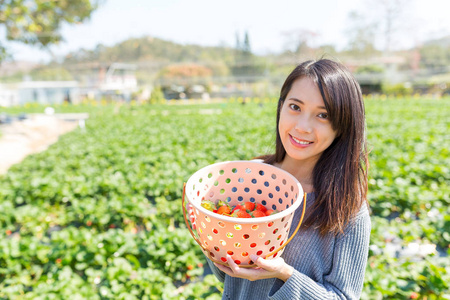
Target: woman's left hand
264, 268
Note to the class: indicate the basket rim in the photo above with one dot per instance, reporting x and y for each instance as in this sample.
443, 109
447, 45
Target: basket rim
270, 218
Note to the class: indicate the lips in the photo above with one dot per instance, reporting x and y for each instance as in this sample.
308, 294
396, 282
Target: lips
300, 142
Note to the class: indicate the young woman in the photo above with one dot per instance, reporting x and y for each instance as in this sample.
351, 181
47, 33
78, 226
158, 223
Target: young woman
321, 141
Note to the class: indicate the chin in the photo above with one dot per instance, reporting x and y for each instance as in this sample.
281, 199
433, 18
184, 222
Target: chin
302, 157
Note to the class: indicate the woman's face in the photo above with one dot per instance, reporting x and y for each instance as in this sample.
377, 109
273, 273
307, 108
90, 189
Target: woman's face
304, 127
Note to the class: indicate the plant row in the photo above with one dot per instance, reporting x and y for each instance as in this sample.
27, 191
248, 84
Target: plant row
98, 214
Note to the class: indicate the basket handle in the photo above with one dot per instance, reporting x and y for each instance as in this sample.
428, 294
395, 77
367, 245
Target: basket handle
295, 232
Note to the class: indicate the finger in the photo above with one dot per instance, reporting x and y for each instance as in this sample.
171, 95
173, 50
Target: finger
255, 258
267, 264
236, 271
233, 266
218, 266
224, 269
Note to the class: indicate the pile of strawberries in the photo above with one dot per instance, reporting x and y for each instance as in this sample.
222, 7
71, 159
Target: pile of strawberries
244, 210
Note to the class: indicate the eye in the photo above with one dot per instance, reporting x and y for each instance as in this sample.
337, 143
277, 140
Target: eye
294, 106
323, 115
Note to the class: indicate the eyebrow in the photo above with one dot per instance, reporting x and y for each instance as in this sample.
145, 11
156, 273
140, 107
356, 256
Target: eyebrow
301, 102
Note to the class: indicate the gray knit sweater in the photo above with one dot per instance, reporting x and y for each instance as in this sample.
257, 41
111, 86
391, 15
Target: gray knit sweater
326, 267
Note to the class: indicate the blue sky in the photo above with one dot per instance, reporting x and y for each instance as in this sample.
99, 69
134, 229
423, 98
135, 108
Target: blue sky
213, 23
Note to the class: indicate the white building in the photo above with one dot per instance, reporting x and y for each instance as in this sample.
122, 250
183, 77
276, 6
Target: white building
116, 81
42, 92
8, 96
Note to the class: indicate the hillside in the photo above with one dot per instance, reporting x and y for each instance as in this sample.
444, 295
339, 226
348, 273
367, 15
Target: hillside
156, 58
443, 42
152, 54
151, 49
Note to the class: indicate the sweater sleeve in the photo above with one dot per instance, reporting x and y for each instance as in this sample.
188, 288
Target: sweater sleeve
345, 281
219, 274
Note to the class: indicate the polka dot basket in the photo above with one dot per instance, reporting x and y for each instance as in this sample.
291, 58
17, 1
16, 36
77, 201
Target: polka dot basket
237, 182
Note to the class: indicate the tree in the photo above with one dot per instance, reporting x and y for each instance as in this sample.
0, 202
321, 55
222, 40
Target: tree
361, 33
246, 49
392, 18
243, 50
299, 41
37, 22
435, 56
245, 63
238, 42
185, 71
392, 12
50, 73
157, 95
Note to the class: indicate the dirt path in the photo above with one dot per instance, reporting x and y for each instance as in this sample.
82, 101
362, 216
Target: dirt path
22, 138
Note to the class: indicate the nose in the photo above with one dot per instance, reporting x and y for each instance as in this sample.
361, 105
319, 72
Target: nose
304, 124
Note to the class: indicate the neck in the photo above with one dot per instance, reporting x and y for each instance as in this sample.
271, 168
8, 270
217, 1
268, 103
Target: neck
302, 171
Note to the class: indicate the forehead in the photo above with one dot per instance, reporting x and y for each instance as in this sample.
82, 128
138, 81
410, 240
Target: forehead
306, 90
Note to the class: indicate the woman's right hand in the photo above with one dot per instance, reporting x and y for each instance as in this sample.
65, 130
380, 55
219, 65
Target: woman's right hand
264, 268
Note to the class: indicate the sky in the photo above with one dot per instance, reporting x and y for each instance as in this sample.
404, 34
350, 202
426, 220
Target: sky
214, 23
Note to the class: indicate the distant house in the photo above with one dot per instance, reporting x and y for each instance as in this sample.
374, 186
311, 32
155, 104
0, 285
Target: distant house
8, 96
48, 92
42, 92
116, 81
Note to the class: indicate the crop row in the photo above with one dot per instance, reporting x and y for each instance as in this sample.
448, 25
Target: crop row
98, 214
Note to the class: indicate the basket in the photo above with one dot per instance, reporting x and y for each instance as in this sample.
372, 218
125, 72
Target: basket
237, 182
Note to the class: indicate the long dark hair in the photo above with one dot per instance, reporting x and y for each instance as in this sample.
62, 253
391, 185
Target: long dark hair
340, 174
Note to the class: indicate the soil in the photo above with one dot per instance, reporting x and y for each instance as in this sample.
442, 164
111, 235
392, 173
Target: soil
34, 134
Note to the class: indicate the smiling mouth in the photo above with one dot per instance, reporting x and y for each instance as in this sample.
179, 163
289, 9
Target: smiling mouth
301, 142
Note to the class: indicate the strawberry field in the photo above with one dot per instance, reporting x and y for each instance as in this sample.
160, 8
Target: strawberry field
98, 214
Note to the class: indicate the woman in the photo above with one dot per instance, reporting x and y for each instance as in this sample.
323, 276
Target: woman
321, 141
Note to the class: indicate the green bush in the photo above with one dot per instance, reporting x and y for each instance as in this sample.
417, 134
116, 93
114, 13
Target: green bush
369, 69
398, 90
157, 95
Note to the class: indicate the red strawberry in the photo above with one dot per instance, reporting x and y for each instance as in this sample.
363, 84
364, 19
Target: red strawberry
238, 207
249, 205
270, 212
224, 210
240, 213
261, 207
257, 214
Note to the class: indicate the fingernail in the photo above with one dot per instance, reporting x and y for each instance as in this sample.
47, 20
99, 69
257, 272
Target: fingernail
253, 257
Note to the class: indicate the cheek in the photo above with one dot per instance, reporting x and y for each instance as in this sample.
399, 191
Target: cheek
330, 136
281, 129
282, 124
327, 133
286, 120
